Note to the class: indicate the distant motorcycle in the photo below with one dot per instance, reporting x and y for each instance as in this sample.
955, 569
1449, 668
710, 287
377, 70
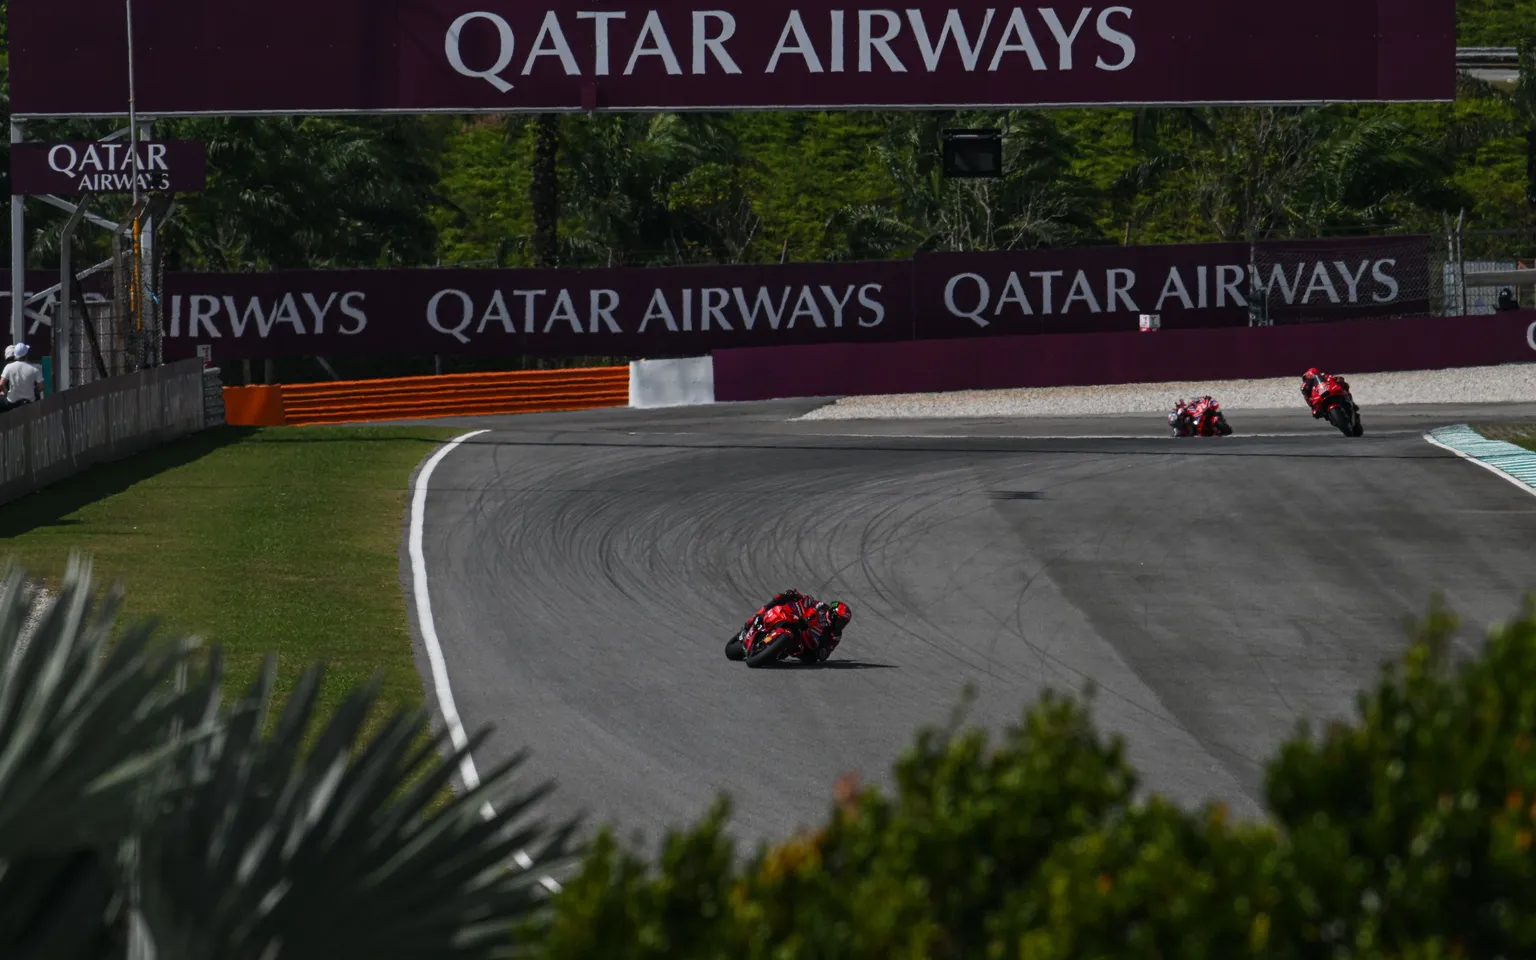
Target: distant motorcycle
1331, 400
1202, 418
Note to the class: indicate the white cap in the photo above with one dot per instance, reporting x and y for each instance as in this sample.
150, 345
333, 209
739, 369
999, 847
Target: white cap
21, 350
10, 353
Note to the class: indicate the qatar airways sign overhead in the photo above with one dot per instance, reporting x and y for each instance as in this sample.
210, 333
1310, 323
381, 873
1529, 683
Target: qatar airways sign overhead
374, 56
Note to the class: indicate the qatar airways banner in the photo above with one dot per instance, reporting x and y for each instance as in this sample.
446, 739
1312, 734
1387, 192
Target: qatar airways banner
463, 56
638, 312
1104, 289
685, 311
96, 166
42, 295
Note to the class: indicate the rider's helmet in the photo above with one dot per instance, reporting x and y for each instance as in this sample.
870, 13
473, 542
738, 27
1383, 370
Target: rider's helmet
1312, 375
838, 614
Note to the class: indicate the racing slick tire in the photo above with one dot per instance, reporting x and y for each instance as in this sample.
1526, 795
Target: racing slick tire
1339, 416
774, 650
734, 650
1223, 427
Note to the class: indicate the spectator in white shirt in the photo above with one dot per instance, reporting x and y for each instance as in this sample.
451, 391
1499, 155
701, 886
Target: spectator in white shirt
21, 381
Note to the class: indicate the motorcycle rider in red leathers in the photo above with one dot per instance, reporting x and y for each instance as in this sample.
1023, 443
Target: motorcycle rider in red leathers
1311, 381
823, 623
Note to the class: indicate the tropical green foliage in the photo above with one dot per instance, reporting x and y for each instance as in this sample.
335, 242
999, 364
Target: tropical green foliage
1406, 833
131, 798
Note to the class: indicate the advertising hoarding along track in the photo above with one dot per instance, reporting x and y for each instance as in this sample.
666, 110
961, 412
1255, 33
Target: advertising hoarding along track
684, 311
1054, 360
497, 56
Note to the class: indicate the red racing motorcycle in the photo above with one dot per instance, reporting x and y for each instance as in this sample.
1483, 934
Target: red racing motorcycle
777, 635
1203, 418
1331, 400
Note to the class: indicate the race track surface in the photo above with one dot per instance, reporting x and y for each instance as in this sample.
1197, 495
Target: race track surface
586, 569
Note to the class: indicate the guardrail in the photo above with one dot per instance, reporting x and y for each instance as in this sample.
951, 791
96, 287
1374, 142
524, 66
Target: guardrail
418, 398
62, 435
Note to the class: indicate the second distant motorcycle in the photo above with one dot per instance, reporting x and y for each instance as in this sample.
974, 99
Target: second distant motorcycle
1201, 418
1330, 398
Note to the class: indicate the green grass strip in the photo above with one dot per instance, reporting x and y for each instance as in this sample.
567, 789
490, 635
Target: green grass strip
1520, 434
283, 539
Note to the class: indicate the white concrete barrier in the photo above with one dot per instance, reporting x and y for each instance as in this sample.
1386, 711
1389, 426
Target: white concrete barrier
672, 383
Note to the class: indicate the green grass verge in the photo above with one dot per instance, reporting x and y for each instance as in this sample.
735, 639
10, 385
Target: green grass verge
280, 540
1520, 434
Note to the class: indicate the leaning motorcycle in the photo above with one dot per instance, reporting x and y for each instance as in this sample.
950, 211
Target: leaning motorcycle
1203, 418
1332, 401
1208, 419
1180, 422
773, 637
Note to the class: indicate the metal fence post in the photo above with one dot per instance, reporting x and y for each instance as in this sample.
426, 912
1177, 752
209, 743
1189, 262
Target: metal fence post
18, 251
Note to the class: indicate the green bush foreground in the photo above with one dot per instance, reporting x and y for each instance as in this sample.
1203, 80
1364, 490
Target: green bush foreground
133, 798
1406, 834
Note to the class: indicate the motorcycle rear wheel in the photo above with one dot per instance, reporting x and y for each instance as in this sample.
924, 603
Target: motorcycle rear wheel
774, 650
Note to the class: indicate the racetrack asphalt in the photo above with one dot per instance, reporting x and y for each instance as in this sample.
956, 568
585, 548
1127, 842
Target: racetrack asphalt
587, 568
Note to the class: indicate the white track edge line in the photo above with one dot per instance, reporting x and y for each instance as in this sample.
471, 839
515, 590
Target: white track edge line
428, 626
1484, 464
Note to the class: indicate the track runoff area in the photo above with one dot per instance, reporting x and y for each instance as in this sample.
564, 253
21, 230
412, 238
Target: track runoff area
583, 571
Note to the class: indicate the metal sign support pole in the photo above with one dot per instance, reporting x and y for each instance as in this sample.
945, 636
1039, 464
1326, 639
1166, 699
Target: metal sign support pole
18, 251
64, 319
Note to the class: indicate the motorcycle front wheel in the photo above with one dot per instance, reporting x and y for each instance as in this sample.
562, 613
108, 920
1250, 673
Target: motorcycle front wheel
777, 648
1339, 416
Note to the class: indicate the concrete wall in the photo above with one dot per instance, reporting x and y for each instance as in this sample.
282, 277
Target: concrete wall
65, 434
213, 397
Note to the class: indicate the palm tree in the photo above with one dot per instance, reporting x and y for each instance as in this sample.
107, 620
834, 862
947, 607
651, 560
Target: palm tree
135, 805
660, 189
306, 193
544, 193
1254, 173
1038, 202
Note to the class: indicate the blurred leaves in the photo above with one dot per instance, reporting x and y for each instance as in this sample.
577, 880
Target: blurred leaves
128, 791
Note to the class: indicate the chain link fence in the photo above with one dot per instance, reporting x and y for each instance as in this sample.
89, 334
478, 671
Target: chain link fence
117, 314
1471, 252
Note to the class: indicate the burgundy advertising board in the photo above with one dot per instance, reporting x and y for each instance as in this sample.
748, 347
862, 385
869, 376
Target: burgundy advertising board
637, 312
1058, 360
686, 311
91, 166
463, 56
37, 328
1101, 289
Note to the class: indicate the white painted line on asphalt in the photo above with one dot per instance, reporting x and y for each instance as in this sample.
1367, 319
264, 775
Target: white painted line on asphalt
1470, 458
428, 625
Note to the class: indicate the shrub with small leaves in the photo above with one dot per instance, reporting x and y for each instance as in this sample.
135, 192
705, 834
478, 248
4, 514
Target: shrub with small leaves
1414, 826
1404, 835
